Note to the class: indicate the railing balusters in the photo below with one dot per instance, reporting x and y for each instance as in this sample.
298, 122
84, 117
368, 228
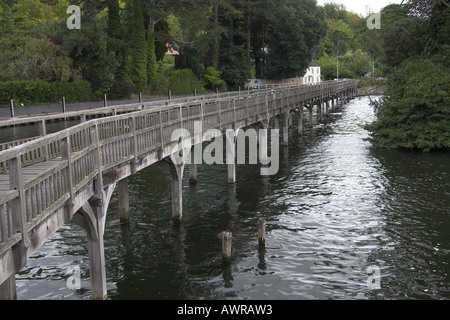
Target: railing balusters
125, 136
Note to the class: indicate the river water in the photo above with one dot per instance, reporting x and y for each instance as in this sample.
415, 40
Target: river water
344, 221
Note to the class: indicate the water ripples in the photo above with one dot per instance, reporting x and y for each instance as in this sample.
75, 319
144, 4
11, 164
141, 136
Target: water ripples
336, 207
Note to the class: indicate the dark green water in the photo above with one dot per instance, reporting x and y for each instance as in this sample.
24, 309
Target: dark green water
336, 207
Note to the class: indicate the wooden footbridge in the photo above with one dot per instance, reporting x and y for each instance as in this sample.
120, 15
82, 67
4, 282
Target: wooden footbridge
69, 176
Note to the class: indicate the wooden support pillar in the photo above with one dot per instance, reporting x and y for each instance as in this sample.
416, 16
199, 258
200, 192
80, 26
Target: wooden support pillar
192, 169
263, 140
177, 191
277, 123
176, 172
124, 201
300, 119
231, 173
310, 110
92, 217
8, 289
262, 232
226, 238
286, 129
230, 141
87, 217
96, 253
319, 109
231, 156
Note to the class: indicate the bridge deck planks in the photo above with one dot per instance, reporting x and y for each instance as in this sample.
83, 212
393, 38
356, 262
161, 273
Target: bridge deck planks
49, 192
29, 173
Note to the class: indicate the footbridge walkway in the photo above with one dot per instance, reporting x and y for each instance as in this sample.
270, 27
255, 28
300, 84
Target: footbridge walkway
70, 175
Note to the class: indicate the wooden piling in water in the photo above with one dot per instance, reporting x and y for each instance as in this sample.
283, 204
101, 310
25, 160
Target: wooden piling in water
262, 232
226, 238
124, 201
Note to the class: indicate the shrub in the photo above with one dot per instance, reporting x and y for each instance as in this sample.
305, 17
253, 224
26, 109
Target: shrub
416, 113
184, 82
160, 85
37, 91
211, 79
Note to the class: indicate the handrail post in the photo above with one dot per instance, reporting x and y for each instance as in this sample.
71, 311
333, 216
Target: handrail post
66, 156
134, 147
11, 105
95, 139
64, 104
18, 207
42, 133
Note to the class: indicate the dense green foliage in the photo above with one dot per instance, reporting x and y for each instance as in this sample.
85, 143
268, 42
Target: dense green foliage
121, 46
38, 91
212, 80
184, 82
296, 31
417, 111
416, 43
349, 44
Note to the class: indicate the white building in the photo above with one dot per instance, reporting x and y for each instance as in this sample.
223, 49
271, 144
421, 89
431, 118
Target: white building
312, 75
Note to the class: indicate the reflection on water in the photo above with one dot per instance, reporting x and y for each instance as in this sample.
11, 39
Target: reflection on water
336, 207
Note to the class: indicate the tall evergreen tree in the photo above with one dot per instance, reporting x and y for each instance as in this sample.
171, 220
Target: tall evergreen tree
138, 46
295, 37
117, 43
152, 65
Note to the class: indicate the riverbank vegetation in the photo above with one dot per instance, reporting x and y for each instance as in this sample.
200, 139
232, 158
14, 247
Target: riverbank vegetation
415, 113
125, 47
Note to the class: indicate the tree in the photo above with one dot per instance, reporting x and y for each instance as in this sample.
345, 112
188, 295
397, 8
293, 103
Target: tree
25, 56
152, 65
400, 38
190, 58
89, 52
295, 36
416, 113
211, 78
138, 46
235, 65
43, 60
358, 63
117, 43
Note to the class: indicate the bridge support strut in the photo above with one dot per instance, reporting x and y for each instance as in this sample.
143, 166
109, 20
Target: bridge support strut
8, 289
176, 172
91, 217
231, 156
300, 119
124, 201
286, 128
